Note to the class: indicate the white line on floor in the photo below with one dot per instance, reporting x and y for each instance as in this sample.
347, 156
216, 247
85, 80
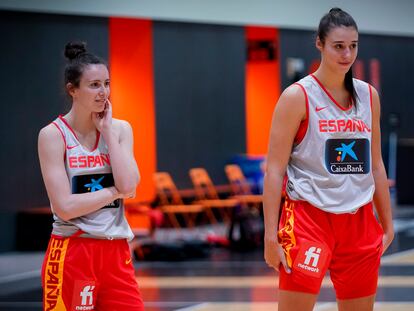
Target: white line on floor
394, 256
193, 308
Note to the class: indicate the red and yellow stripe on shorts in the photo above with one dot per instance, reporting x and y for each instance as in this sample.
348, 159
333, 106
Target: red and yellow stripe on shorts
53, 275
286, 236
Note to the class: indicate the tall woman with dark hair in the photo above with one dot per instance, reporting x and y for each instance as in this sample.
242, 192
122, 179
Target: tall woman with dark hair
88, 168
325, 137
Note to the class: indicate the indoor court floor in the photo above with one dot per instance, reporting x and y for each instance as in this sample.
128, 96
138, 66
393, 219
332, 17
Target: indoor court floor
223, 281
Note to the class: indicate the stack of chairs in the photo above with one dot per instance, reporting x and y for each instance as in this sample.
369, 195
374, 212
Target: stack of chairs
171, 203
208, 197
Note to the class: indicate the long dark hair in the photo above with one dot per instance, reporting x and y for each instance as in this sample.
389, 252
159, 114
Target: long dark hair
336, 18
78, 58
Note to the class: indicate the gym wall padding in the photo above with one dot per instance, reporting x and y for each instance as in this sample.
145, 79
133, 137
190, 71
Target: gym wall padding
200, 97
262, 91
132, 92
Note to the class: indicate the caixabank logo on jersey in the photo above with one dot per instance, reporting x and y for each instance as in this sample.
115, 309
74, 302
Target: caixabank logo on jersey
347, 156
92, 183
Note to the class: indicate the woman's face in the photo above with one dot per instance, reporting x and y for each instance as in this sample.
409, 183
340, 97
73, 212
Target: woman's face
340, 48
93, 90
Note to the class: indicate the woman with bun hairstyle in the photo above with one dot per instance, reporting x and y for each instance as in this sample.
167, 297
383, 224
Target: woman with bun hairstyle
88, 168
325, 137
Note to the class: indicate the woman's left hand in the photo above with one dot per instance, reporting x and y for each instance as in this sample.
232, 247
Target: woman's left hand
387, 240
103, 120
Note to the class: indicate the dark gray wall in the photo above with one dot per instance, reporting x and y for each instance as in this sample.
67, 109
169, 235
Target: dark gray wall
295, 44
200, 106
397, 66
31, 82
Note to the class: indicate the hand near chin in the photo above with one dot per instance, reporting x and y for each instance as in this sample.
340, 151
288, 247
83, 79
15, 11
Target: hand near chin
103, 120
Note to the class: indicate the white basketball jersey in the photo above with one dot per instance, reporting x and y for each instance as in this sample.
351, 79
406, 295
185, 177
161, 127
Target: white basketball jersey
90, 171
331, 167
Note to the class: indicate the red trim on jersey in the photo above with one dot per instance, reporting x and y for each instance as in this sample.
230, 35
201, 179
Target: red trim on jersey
303, 127
370, 95
98, 134
68, 126
330, 96
63, 136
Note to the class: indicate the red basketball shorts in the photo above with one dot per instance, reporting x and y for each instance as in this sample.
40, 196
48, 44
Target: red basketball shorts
348, 245
89, 274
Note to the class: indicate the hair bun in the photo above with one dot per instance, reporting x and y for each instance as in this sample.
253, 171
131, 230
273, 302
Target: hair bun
74, 49
335, 10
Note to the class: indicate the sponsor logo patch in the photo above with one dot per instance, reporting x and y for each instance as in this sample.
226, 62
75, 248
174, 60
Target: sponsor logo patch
347, 156
84, 295
92, 183
311, 259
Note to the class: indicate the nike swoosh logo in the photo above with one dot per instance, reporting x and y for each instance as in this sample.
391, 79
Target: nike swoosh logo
128, 261
71, 147
320, 108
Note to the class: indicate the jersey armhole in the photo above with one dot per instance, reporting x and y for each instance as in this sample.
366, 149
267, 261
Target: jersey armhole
370, 96
63, 136
303, 127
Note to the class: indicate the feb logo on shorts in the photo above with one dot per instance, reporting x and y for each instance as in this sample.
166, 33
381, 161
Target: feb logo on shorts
347, 156
311, 258
84, 296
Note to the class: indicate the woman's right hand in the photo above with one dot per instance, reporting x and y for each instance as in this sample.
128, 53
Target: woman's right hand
274, 254
118, 195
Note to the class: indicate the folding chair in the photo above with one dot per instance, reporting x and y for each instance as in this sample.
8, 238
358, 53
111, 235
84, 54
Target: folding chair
207, 195
171, 203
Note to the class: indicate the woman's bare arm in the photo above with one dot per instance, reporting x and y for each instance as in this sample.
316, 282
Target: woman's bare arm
66, 205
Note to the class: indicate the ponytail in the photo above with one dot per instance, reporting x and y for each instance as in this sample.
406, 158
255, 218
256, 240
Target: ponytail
349, 86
